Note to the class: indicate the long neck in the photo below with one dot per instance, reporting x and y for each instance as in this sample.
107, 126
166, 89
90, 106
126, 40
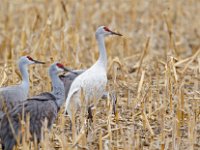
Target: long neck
102, 50
25, 77
58, 89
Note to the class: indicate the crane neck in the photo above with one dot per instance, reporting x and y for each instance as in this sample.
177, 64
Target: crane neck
23, 68
58, 89
102, 50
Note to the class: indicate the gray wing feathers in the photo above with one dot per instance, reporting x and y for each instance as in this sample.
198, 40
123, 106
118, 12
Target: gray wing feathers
43, 96
13, 93
11, 96
38, 110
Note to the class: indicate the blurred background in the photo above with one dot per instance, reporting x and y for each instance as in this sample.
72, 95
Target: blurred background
68, 27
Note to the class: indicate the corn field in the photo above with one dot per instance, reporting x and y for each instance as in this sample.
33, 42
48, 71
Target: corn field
154, 69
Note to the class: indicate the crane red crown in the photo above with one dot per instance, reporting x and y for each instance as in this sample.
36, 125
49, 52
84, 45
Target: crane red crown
107, 29
30, 58
60, 65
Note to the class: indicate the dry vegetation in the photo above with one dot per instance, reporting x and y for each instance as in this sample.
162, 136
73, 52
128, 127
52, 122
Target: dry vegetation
154, 68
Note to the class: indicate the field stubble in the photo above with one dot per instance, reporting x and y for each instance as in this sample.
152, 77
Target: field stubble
154, 68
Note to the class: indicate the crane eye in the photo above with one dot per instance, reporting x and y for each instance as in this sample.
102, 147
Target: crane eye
30, 58
59, 65
106, 29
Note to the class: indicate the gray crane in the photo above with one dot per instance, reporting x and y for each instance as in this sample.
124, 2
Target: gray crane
11, 95
43, 106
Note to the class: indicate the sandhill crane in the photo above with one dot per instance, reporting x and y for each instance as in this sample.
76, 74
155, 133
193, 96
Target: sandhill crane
92, 81
69, 77
40, 107
11, 95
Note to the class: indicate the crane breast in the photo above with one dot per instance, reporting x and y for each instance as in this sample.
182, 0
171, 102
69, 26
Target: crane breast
92, 83
93, 86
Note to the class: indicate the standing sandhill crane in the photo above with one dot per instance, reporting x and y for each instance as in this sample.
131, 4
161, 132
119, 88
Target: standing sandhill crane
69, 77
11, 95
93, 81
40, 107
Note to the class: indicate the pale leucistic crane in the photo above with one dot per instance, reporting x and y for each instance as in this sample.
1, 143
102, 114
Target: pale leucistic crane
93, 81
43, 106
12, 95
69, 77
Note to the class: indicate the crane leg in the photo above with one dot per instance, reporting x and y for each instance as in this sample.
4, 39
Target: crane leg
111, 96
90, 116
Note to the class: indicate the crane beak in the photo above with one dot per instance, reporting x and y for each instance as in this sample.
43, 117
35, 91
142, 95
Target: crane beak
115, 33
38, 62
69, 70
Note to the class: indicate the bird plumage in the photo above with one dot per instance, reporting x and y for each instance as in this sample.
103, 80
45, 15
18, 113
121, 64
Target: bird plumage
69, 77
93, 88
39, 107
12, 95
36, 107
93, 81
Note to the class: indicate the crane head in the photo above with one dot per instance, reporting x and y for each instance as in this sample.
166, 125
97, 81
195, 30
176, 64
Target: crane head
103, 30
60, 68
34, 61
27, 60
